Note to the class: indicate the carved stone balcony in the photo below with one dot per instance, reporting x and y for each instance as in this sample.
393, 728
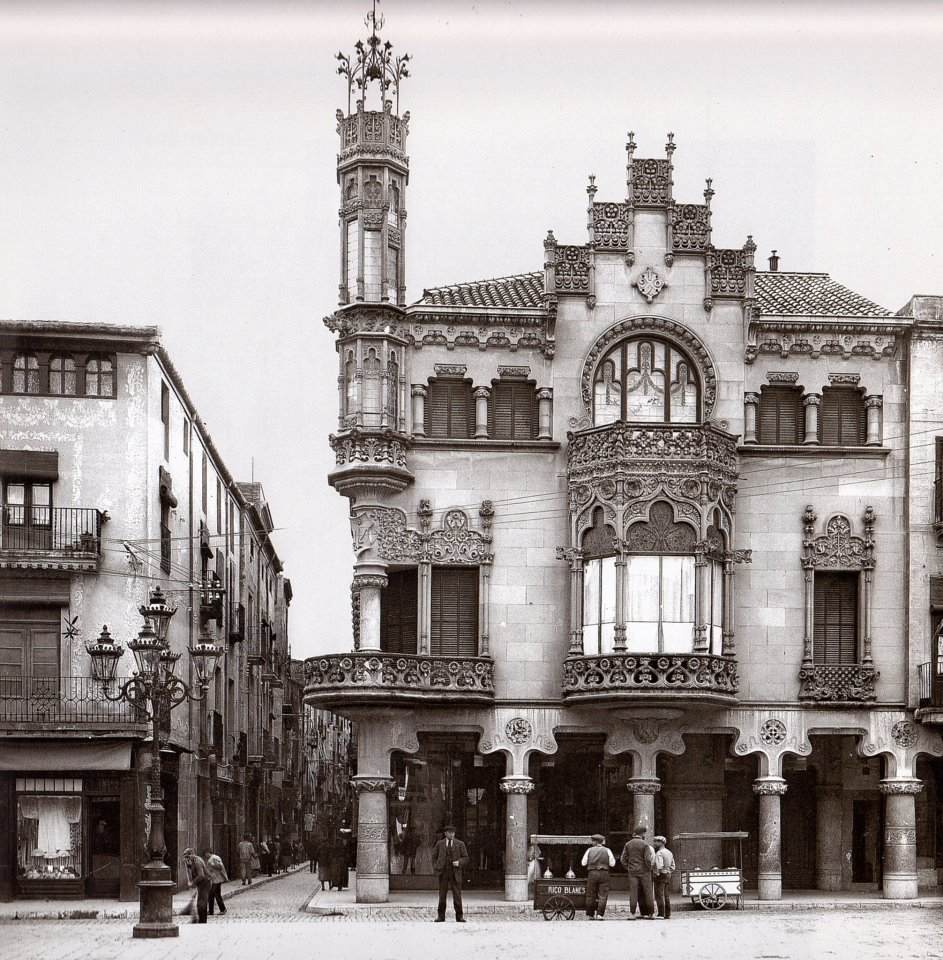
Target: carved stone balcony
373, 460
851, 683
352, 679
664, 678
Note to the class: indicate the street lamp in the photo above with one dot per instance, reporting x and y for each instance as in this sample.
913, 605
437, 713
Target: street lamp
153, 691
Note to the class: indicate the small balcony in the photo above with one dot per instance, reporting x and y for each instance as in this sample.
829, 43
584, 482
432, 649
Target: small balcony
838, 683
64, 705
930, 692
659, 678
352, 679
51, 538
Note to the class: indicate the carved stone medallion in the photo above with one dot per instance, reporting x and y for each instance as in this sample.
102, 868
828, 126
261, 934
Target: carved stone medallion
773, 732
518, 730
649, 283
904, 733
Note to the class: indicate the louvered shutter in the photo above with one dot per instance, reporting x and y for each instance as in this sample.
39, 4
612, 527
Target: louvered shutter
450, 409
398, 613
454, 613
835, 635
512, 412
780, 417
842, 423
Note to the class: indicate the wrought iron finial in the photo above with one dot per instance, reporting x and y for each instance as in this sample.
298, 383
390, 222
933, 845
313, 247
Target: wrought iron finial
373, 61
708, 191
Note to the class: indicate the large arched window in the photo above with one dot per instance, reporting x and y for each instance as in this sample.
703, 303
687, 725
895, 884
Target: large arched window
25, 373
647, 379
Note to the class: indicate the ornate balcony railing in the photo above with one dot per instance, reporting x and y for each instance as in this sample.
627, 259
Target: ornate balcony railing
673, 677
50, 538
838, 683
373, 676
62, 701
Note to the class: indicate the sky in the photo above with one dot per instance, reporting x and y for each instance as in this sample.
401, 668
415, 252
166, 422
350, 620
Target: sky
174, 164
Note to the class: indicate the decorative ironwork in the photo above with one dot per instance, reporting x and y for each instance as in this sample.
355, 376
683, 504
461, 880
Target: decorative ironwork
62, 700
586, 677
611, 226
66, 538
572, 269
848, 683
373, 62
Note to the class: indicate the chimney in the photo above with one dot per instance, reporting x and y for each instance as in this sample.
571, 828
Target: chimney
773, 262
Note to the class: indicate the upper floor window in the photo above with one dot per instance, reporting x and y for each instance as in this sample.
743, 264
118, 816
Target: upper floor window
165, 417
450, 409
398, 612
371, 388
25, 373
648, 379
453, 627
62, 376
835, 617
780, 419
512, 411
938, 483
843, 422
99, 377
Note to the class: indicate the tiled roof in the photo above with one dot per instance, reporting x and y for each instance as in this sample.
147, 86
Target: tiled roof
523, 291
812, 295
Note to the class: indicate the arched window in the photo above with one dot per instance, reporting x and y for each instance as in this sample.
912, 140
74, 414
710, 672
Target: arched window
393, 216
646, 379
62, 376
350, 385
25, 373
371, 388
392, 380
99, 377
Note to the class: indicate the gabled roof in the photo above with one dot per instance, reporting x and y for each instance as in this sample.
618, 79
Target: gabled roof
522, 291
811, 295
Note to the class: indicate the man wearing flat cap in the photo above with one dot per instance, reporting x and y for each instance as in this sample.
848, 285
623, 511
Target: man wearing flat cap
449, 856
199, 878
598, 861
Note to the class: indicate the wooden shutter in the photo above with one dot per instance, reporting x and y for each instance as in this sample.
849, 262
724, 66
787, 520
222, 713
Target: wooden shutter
454, 627
781, 418
450, 409
512, 412
835, 635
398, 613
842, 423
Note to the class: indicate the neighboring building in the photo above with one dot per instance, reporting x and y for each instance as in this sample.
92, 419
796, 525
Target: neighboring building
328, 761
646, 535
112, 486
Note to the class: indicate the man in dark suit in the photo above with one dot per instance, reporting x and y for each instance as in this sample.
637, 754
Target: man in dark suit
449, 856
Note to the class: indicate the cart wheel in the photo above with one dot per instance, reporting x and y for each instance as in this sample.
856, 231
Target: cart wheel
559, 908
712, 896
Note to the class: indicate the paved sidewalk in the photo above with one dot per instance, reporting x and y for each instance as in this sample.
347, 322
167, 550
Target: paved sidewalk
126, 909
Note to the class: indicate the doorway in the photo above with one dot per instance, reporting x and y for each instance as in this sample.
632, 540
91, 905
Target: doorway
798, 837
104, 847
866, 831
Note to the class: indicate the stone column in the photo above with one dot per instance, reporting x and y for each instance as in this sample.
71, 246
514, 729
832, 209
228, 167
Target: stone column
484, 609
544, 414
811, 403
369, 580
872, 407
419, 392
373, 851
424, 606
576, 603
751, 402
900, 837
619, 633
481, 395
770, 872
515, 841
643, 790
729, 648
828, 836
701, 601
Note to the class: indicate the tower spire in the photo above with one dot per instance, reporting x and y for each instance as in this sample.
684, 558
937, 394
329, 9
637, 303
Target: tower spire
373, 61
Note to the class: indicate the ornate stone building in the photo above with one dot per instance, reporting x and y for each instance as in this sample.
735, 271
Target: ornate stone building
648, 534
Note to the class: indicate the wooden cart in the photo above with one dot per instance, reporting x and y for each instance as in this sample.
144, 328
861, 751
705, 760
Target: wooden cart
709, 886
559, 899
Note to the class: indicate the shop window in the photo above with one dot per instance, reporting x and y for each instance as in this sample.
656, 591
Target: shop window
450, 409
100, 377
62, 376
398, 612
25, 373
49, 837
454, 612
835, 633
512, 411
842, 422
780, 419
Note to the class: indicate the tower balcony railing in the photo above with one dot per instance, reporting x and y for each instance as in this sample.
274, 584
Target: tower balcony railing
63, 704
60, 538
374, 676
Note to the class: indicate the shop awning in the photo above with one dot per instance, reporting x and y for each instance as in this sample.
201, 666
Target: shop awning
64, 756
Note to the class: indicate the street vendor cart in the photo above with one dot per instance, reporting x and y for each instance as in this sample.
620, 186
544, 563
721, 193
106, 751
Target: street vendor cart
560, 898
711, 868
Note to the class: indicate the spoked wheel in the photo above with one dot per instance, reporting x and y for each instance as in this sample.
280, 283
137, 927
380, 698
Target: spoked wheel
712, 896
559, 908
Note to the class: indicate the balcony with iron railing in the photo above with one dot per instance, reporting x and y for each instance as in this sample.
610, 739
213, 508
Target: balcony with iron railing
64, 706
51, 538
930, 692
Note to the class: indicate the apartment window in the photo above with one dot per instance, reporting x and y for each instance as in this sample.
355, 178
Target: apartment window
186, 437
398, 612
450, 409
512, 411
29, 647
219, 506
62, 376
454, 612
25, 373
99, 377
842, 422
938, 483
165, 417
232, 528
165, 539
780, 419
203, 479
835, 633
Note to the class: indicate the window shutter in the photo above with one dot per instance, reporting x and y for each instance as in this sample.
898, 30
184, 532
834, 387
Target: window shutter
398, 613
938, 483
936, 593
454, 627
781, 417
450, 409
512, 412
835, 635
843, 421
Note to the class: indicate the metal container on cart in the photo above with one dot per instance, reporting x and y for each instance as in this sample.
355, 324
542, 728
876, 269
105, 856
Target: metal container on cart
711, 868
558, 898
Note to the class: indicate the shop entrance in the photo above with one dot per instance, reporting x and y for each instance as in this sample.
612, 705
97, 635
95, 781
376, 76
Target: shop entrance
104, 847
798, 836
866, 832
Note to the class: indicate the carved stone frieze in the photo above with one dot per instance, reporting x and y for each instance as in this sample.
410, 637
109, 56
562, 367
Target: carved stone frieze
513, 371
782, 376
838, 548
844, 379
817, 338
902, 786
728, 272
588, 677
384, 530
846, 683
650, 182
571, 269
357, 446
690, 227
372, 784
769, 787
611, 226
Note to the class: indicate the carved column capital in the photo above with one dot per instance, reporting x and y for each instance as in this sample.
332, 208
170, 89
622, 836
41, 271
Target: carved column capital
418, 390
364, 581
769, 786
545, 393
365, 784
518, 785
750, 397
811, 399
481, 393
873, 401
647, 785
897, 786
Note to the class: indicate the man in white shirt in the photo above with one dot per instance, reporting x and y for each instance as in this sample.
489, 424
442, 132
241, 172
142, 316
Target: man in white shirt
598, 861
662, 869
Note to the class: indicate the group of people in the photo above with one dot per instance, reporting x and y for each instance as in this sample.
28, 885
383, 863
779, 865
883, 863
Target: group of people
649, 868
330, 857
269, 856
207, 874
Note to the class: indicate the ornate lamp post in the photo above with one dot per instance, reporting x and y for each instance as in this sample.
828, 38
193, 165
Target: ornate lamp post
154, 690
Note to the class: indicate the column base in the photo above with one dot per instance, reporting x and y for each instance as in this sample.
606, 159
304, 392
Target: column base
899, 886
770, 887
150, 931
373, 889
515, 888
830, 880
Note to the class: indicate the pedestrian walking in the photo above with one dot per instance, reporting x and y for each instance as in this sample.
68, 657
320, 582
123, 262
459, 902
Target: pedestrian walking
198, 877
449, 856
217, 871
339, 870
266, 856
286, 855
409, 847
312, 852
638, 858
247, 855
598, 860
662, 870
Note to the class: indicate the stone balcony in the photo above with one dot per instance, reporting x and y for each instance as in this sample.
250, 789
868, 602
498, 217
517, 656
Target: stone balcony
368, 459
837, 683
659, 678
374, 677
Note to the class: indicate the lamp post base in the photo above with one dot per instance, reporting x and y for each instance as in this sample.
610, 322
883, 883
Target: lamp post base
156, 917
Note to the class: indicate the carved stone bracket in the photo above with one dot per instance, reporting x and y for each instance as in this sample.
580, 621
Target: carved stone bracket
771, 737
519, 733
